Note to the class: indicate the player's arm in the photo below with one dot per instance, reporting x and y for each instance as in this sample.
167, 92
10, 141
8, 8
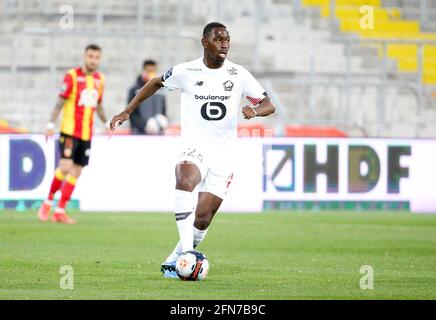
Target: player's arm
146, 91
64, 94
263, 109
102, 115
54, 115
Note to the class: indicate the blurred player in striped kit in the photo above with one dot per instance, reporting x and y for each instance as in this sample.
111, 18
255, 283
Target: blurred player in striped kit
81, 95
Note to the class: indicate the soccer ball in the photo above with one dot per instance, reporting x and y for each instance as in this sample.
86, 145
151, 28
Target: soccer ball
192, 265
162, 121
156, 124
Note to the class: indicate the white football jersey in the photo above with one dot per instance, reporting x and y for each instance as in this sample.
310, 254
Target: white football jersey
210, 100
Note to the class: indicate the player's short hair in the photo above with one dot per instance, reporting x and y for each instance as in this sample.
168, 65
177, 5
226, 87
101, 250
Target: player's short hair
92, 46
149, 62
208, 28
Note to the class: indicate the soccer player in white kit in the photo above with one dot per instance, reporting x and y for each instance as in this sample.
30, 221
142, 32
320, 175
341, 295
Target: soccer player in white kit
211, 91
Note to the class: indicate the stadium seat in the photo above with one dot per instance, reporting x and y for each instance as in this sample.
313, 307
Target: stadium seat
311, 131
244, 130
173, 130
254, 130
122, 132
5, 128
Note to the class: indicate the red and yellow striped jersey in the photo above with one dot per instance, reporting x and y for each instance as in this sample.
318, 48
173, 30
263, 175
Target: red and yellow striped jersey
83, 92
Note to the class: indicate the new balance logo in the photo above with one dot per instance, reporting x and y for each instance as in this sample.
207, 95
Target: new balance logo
199, 83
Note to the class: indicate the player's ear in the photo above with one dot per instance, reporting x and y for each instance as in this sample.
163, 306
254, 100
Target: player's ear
204, 42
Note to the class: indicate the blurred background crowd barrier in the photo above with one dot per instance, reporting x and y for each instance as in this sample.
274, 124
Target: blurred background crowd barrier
358, 68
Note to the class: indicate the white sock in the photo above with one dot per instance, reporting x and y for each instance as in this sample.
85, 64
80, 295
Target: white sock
199, 236
178, 248
176, 252
184, 218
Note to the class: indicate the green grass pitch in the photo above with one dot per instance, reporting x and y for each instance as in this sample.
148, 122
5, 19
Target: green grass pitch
270, 255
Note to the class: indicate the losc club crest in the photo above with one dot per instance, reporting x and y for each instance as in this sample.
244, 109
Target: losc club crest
228, 85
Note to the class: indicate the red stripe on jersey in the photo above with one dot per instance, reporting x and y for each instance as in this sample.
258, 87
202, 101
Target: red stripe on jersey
254, 101
67, 87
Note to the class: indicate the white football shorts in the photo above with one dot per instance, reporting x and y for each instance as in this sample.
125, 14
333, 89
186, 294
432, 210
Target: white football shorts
216, 174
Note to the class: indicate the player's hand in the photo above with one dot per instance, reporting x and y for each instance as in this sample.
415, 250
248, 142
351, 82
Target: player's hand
248, 112
49, 132
107, 128
118, 120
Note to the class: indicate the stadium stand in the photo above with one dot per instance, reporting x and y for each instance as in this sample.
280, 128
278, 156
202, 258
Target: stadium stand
5, 128
389, 24
320, 69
